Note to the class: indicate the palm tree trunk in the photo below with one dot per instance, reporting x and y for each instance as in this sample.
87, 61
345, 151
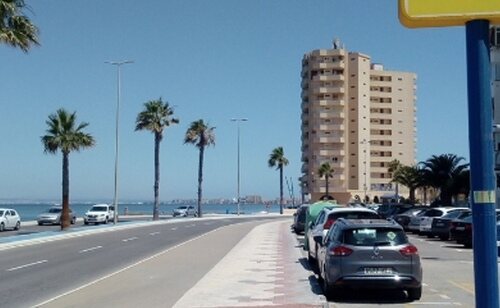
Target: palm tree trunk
326, 180
412, 195
281, 189
200, 179
156, 207
65, 192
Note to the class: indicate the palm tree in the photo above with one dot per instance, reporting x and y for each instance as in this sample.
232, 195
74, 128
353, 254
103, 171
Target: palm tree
156, 116
201, 135
16, 29
441, 171
394, 165
277, 159
65, 135
411, 177
326, 171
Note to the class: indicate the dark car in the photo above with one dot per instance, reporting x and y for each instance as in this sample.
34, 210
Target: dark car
389, 210
299, 219
441, 226
404, 218
369, 254
461, 231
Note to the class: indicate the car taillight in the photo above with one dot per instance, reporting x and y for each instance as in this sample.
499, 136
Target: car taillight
409, 250
340, 251
328, 223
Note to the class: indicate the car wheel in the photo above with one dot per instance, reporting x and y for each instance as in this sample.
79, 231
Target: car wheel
73, 220
18, 226
2, 227
415, 294
329, 291
40, 224
105, 220
430, 235
85, 222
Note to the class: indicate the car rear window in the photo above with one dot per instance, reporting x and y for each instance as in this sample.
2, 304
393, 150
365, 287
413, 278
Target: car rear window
354, 215
374, 236
55, 210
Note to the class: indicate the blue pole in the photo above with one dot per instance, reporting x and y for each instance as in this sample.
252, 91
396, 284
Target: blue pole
481, 164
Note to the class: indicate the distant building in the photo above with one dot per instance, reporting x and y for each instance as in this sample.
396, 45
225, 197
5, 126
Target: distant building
358, 117
253, 199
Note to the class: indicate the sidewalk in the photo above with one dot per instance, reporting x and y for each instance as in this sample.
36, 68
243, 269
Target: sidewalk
265, 269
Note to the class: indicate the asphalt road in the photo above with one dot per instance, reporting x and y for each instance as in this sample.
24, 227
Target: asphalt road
33, 274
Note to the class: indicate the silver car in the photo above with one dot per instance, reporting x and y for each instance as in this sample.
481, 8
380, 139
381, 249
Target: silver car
369, 254
53, 216
184, 211
9, 219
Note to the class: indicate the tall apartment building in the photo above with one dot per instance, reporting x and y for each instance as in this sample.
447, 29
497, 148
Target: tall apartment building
358, 117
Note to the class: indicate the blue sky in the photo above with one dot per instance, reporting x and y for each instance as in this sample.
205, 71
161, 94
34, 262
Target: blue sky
213, 60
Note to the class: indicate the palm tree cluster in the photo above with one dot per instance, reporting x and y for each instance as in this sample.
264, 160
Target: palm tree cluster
446, 172
16, 29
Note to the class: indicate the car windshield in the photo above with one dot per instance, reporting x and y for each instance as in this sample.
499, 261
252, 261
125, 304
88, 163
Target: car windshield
1, 213
54, 210
182, 207
374, 237
99, 209
354, 215
454, 214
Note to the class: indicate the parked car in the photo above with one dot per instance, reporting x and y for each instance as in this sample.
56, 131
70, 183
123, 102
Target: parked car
404, 218
99, 213
369, 254
414, 224
9, 219
53, 216
425, 226
184, 211
299, 219
389, 210
312, 213
461, 231
326, 219
441, 226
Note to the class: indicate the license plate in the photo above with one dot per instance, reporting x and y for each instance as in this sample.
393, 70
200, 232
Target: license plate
460, 228
377, 270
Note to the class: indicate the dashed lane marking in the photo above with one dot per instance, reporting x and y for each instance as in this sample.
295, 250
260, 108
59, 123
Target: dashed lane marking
26, 265
154, 233
130, 239
90, 249
443, 296
175, 228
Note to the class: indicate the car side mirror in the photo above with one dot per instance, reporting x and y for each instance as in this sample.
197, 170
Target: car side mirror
311, 224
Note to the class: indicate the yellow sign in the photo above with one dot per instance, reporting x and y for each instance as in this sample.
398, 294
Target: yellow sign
443, 13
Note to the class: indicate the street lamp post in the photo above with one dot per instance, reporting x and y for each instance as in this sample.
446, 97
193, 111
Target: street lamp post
365, 186
118, 65
238, 120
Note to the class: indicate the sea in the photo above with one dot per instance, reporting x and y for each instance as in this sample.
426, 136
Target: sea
29, 211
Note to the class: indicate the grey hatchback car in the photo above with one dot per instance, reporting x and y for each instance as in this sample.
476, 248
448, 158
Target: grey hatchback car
369, 253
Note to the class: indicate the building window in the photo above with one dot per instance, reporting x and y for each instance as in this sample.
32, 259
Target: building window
334, 159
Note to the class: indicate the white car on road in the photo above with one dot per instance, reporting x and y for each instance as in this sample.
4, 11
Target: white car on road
185, 211
9, 219
99, 213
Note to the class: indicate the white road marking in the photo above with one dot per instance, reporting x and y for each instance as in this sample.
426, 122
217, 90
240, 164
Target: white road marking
175, 228
130, 239
90, 249
424, 284
126, 268
459, 250
444, 296
26, 265
154, 233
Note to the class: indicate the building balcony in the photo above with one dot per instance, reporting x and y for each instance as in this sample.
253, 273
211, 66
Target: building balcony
331, 77
330, 102
304, 94
329, 115
332, 153
330, 139
327, 65
326, 90
330, 127
380, 126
